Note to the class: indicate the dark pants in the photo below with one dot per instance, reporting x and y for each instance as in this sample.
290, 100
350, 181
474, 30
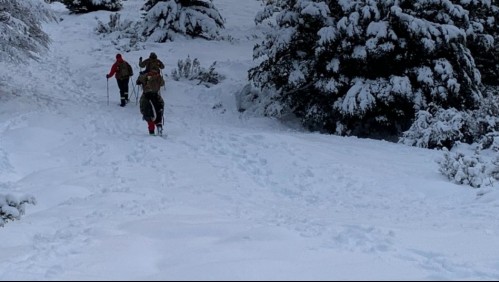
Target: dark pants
152, 106
123, 86
156, 104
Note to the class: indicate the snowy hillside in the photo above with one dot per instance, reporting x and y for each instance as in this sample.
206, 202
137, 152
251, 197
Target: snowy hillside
226, 195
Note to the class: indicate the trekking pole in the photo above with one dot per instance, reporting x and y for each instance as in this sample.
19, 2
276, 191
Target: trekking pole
164, 85
107, 87
133, 88
137, 97
138, 86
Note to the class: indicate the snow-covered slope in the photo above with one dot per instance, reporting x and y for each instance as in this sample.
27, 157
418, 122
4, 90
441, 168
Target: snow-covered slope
225, 195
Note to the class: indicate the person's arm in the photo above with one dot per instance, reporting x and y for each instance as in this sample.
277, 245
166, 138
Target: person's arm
143, 64
113, 70
161, 65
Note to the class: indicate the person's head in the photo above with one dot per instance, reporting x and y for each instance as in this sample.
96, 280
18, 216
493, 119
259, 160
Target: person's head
118, 57
153, 55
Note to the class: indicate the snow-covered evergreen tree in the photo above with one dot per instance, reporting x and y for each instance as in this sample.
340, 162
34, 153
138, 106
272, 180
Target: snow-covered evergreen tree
365, 67
164, 19
483, 38
289, 68
21, 35
271, 7
86, 6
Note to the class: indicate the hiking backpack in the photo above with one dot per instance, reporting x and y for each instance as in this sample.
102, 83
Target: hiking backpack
124, 70
153, 82
154, 65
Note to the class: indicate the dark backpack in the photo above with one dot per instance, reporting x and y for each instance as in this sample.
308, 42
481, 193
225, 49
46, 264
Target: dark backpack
154, 65
152, 82
124, 70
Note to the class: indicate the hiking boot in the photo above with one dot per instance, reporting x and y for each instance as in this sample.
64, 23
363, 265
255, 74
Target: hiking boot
151, 132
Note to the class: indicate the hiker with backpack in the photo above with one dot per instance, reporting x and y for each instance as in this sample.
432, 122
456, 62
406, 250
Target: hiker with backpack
123, 72
152, 63
151, 103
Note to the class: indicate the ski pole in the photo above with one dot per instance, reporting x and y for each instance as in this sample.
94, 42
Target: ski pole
164, 85
133, 88
107, 87
138, 86
137, 97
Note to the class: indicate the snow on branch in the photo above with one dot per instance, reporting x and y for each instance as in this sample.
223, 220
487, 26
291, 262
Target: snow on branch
12, 207
192, 70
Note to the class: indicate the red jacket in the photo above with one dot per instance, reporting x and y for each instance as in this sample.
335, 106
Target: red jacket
114, 68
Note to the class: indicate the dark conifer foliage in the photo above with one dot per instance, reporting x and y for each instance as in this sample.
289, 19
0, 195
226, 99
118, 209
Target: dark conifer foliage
21, 35
367, 67
87, 6
164, 19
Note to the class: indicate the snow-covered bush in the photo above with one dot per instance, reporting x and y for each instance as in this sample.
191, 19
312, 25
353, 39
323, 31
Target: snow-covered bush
192, 70
490, 142
478, 166
463, 169
188, 69
123, 34
487, 115
473, 164
366, 67
21, 35
164, 19
246, 99
87, 6
493, 169
437, 127
441, 129
12, 207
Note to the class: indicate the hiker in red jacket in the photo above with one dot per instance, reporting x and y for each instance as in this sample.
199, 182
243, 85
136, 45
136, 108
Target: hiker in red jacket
123, 72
